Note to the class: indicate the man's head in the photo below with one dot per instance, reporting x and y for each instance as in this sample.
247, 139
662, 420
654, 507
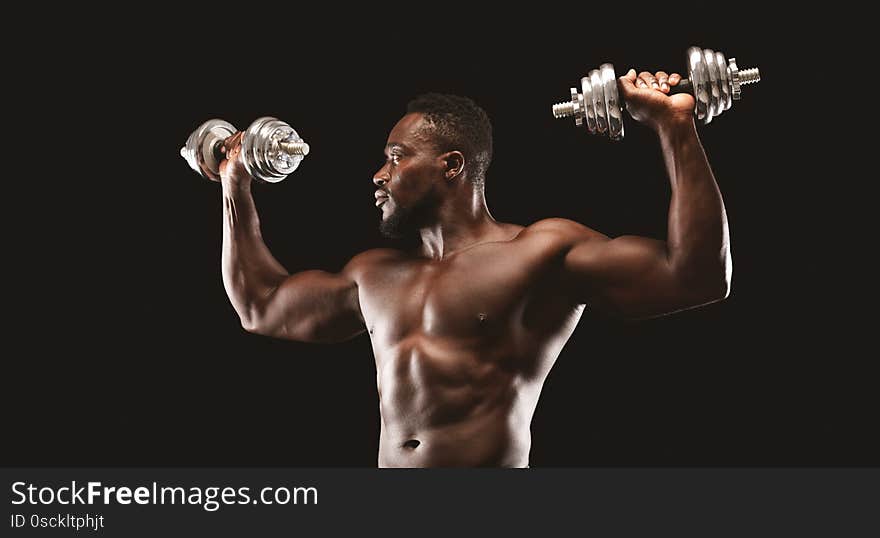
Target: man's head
442, 142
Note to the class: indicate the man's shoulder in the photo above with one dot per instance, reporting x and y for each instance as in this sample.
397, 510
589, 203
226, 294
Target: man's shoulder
559, 229
372, 258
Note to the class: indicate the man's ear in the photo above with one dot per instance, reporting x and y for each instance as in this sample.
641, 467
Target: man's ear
454, 163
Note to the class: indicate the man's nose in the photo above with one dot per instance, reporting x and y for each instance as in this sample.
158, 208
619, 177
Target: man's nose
381, 177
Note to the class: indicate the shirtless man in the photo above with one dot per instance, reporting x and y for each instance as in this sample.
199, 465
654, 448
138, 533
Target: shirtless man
466, 327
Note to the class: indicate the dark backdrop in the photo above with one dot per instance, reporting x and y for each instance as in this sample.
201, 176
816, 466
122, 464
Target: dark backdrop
134, 356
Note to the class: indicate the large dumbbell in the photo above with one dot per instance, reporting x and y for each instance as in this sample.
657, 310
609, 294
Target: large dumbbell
270, 148
714, 81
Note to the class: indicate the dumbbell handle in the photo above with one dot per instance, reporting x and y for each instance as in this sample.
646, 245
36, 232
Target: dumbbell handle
683, 86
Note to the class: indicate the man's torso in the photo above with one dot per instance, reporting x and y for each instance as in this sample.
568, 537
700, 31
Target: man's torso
462, 347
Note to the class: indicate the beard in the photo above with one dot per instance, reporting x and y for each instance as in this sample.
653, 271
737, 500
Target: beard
404, 221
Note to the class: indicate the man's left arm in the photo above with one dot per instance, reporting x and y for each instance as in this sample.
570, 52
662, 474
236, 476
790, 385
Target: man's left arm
636, 277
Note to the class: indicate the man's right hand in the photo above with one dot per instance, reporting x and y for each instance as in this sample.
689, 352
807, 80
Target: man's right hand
232, 170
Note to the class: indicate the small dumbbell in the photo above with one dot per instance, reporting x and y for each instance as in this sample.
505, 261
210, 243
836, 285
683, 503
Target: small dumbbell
270, 149
714, 81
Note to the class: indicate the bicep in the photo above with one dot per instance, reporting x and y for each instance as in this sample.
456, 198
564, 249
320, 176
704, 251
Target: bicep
629, 276
312, 306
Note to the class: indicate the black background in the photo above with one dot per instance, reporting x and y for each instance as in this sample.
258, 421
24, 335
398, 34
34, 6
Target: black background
133, 355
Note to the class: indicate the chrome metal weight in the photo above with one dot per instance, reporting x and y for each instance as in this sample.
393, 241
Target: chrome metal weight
270, 149
714, 81
202, 149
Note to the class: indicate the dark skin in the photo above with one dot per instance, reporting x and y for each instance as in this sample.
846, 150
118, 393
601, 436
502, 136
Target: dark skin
466, 328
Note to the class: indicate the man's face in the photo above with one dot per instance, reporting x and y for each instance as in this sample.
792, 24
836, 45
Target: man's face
407, 181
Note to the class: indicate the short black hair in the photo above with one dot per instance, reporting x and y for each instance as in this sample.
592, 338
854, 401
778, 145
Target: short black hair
457, 123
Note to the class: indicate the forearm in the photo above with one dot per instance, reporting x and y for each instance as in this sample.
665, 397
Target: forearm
698, 238
250, 272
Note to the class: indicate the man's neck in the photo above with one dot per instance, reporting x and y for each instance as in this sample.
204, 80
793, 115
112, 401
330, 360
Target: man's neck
461, 222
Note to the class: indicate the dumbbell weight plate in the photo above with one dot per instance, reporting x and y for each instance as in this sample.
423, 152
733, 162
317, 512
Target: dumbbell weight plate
613, 106
261, 152
599, 101
589, 107
200, 149
724, 81
254, 150
714, 85
699, 81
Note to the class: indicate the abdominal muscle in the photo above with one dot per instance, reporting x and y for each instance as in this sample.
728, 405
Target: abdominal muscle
449, 405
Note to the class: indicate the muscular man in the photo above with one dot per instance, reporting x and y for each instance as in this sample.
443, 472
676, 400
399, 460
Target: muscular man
466, 327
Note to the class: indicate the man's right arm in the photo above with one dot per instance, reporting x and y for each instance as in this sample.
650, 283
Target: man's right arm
310, 306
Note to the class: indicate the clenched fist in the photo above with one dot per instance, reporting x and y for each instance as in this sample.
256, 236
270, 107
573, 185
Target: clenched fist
232, 170
648, 102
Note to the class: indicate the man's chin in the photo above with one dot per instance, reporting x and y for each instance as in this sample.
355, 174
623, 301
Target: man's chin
390, 230
401, 223
394, 226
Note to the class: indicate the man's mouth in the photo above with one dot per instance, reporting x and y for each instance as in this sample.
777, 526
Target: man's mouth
381, 198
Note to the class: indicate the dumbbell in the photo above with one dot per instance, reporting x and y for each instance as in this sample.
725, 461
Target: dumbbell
714, 81
270, 148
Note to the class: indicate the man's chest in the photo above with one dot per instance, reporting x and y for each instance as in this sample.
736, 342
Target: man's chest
468, 296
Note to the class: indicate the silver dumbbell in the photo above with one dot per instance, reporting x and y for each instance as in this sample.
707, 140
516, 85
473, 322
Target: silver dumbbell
270, 148
714, 81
